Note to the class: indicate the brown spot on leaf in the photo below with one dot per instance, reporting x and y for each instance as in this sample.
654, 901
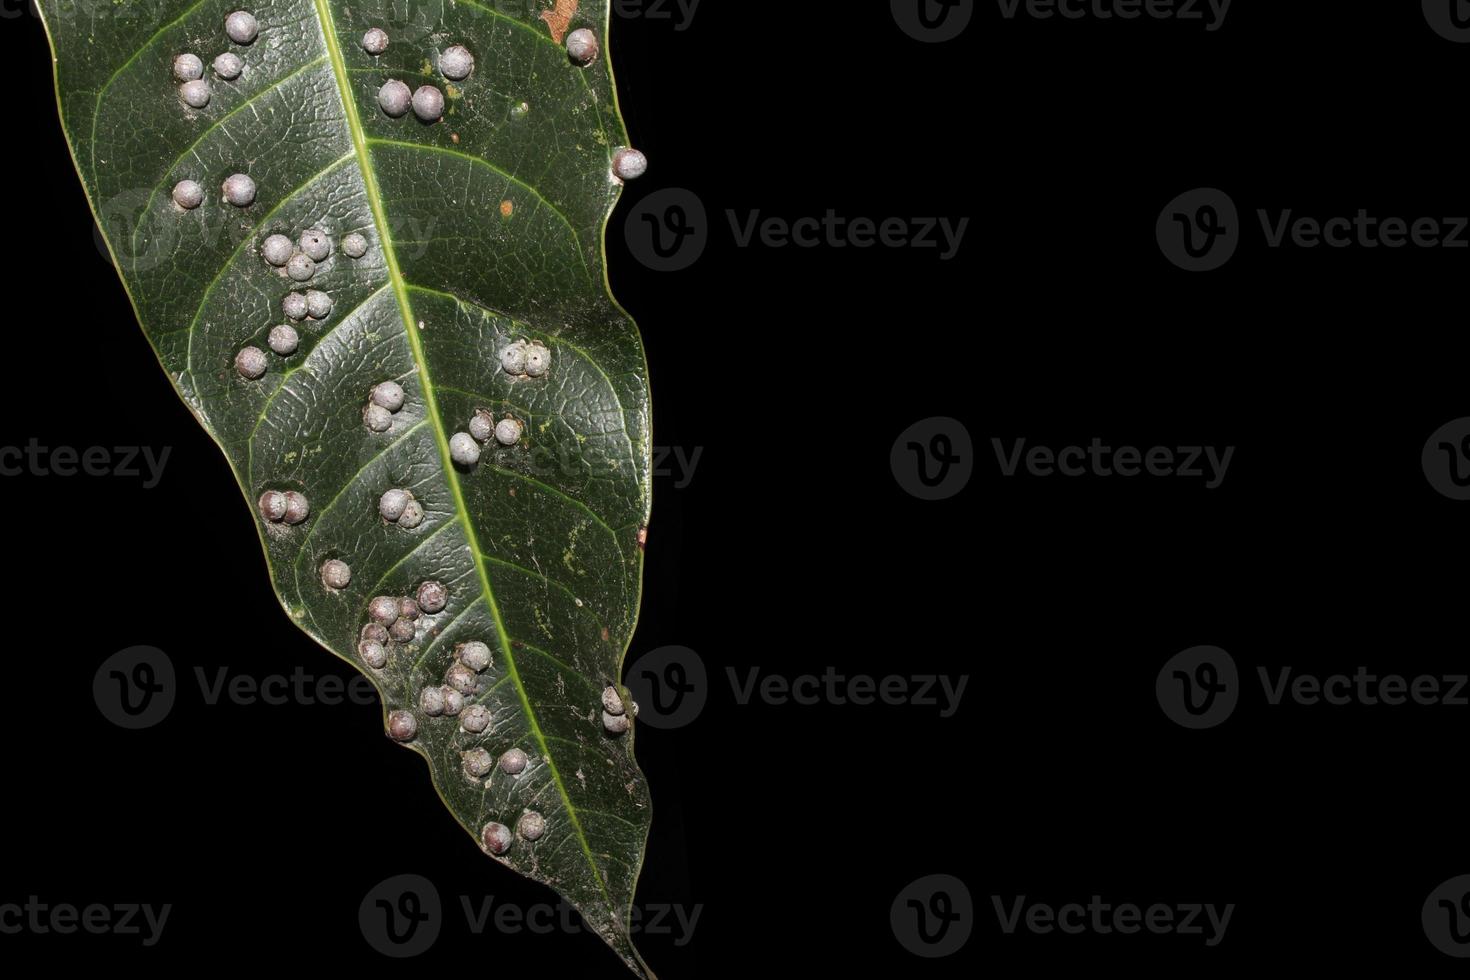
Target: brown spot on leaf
604, 634
642, 538
454, 138
507, 208
560, 18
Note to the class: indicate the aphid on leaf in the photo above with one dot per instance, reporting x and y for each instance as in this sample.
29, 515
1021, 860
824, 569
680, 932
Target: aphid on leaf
373, 654
513, 762
228, 66
272, 506
315, 244
195, 94
383, 610
318, 304
582, 46
428, 103
463, 449
188, 67
476, 719
375, 41
297, 508
477, 763
508, 432
496, 838
402, 726
276, 250
413, 515
389, 394
538, 360
402, 631
241, 27
531, 825
188, 195
513, 358
294, 304
251, 362
394, 98
433, 597
300, 267
284, 340
629, 164
474, 655
431, 702
377, 418
354, 246
456, 62
336, 574
239, 190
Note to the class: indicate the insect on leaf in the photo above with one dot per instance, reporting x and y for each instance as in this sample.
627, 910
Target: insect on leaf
439, 271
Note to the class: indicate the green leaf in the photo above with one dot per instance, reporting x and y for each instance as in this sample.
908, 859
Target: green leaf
484, 228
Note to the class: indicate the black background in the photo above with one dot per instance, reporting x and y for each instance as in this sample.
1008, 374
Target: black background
793, 548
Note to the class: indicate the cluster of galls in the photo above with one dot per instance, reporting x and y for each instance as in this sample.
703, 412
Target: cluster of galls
394, 619
283, 507
464, 447
189, 70
616, 718
384, 402
298, 260
524, 359
427, 102
399, 507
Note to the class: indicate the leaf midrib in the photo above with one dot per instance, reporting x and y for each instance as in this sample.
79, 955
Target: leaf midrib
328, 28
